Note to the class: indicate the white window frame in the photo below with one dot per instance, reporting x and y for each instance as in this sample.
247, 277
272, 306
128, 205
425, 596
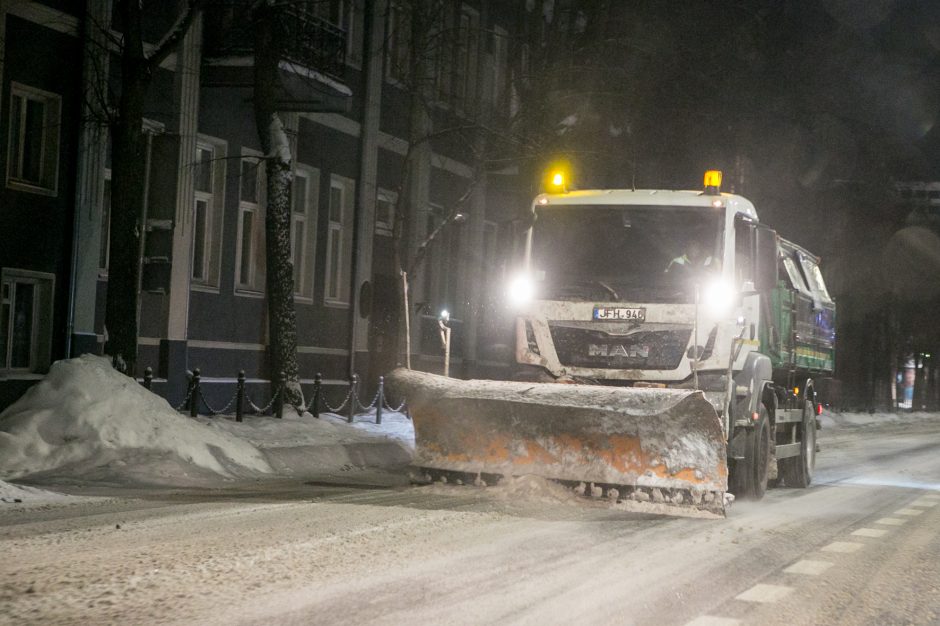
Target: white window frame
339, 231
465, 87
49, 143
497, 66
355, 32
215, 220
40, 342
254, 287
397, 45
105, 244
383, 227
304, 275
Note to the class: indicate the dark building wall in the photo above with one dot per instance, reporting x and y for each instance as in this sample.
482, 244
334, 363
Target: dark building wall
36, 228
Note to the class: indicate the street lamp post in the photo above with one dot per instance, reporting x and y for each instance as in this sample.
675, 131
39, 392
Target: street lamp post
444, 323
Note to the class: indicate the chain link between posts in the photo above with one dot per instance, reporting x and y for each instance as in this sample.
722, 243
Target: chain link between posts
194, 395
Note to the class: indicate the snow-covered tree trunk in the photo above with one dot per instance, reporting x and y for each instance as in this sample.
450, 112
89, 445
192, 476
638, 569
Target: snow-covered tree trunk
282, 317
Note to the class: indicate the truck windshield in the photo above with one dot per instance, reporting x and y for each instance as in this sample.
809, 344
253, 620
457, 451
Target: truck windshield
617, 253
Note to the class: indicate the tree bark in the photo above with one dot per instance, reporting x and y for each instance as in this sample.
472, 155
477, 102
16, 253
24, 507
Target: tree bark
129, 159
128, 178
282, 317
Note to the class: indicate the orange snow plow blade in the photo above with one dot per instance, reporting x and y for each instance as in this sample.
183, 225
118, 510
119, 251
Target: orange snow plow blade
643, 449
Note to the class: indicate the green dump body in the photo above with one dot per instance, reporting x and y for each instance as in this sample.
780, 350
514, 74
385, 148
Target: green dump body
800, 333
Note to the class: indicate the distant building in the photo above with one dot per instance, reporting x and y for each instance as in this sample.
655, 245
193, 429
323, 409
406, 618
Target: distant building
349, 111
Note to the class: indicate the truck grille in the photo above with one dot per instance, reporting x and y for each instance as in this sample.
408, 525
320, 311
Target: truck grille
640, 349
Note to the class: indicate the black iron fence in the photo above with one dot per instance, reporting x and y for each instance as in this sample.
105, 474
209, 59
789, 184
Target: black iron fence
241, 402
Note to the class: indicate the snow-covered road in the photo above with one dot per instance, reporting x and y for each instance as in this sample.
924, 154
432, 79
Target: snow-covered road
358, 548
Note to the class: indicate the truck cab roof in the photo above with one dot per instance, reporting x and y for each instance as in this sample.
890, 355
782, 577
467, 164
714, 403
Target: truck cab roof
646, 197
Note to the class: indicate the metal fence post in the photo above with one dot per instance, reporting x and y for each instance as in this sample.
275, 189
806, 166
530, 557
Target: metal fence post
353, 397
315, 404
194, 396
380, 400
279, 402
148, 378
240, 396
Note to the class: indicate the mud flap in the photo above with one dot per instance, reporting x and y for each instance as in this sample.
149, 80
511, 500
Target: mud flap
660, 440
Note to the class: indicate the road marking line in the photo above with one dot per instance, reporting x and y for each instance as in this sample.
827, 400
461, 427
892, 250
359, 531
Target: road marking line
870, 532
908, 512
843, 547
810, 568
710, 620
765, 593
891, 521
925, 504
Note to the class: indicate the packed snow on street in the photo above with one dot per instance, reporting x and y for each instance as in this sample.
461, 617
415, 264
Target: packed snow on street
114, 508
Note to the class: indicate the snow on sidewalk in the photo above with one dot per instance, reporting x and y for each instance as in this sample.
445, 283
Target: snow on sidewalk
86, 422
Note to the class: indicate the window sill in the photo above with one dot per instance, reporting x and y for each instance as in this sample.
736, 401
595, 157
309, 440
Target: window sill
203, 288
246, 293
18, 185
335, 304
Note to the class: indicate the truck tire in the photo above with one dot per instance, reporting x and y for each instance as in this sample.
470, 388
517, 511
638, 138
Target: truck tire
749, 478
798, 471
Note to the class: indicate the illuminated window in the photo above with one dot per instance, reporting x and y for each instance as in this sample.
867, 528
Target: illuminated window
25, 320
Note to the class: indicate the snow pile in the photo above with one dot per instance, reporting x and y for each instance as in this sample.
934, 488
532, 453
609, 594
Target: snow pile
11, 493
84, 413
304, 446
851, 419
533, 489
516, 489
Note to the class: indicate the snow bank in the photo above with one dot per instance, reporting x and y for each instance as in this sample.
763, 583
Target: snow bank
84, 412
11, 493
851, 419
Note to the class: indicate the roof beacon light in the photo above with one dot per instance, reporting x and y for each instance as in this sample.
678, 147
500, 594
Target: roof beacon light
712, 182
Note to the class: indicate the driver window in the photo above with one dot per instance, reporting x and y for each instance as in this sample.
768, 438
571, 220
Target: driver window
743, 251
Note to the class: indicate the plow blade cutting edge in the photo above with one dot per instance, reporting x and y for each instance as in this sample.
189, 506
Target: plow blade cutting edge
657, 450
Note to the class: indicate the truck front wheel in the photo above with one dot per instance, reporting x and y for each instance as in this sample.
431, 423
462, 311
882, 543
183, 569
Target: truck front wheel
749, 477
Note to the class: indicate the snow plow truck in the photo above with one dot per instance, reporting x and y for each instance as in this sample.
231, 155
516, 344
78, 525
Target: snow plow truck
671, 353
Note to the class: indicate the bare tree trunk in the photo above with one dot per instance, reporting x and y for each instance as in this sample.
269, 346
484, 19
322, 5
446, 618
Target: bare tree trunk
129, 146
282, 317
129, 170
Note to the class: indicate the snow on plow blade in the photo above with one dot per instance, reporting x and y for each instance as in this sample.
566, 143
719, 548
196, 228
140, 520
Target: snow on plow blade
654, 448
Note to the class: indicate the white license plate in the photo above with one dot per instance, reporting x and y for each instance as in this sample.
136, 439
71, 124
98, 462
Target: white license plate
619, 313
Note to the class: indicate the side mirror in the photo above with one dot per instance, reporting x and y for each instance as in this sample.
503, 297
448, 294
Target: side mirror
765, 253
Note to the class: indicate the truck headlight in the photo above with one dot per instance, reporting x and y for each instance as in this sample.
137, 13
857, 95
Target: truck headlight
520, 290
717, 298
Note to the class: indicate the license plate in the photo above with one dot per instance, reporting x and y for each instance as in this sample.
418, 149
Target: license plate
619, 313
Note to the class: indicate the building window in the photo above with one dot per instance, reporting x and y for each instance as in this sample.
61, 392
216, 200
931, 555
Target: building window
385, 212
467, 57
303, 229
104, 250
339, 240
250, 243
209, 188
399, 42
33, 155
443, 263
497, 59
25, 320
